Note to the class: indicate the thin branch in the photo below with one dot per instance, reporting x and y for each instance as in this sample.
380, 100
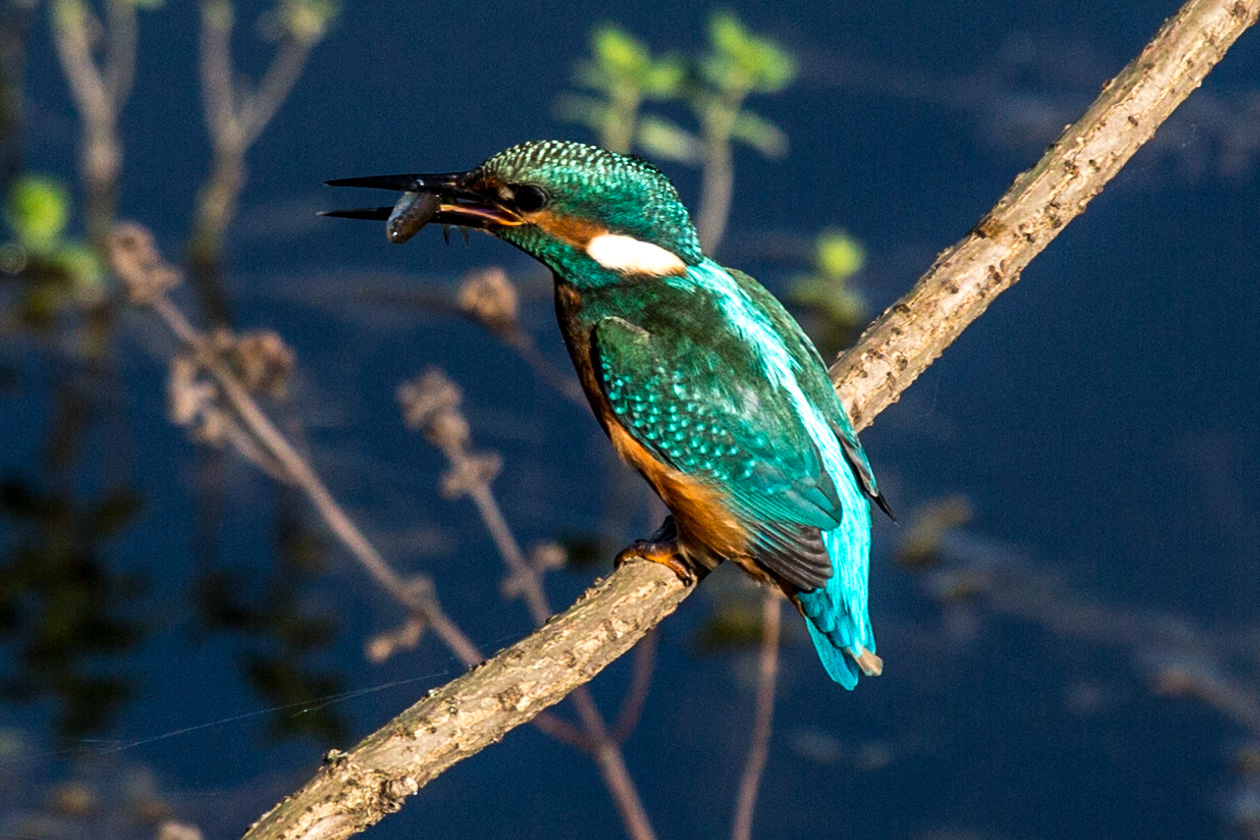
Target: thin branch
759, 743
717, 176
71, 22
356, 789
218, 90
520, 572
120, 49
568, 387
433, 404
564, 731
299, 472
99, 95
277, 82
235, 118
612, 768
136, 262
640, 682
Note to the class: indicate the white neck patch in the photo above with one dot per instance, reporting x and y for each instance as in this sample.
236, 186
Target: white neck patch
627, 255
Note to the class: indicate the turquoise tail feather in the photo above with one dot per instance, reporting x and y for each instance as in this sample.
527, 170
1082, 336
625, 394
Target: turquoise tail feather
836, 614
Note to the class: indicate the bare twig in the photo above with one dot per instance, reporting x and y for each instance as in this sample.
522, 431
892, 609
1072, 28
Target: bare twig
14, 31
489, 298
277, 82
759, 743
717, 175
1181, 660
235, 118
120, 49
359, 788
432, 403
99, 93
640, 682
135, 261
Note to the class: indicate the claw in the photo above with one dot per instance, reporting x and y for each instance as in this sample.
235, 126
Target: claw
665, 552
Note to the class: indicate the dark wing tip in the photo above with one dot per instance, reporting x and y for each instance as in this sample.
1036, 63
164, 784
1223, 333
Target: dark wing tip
371, 214
885, 507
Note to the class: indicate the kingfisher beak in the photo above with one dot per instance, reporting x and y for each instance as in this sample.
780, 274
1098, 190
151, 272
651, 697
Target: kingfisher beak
449, 198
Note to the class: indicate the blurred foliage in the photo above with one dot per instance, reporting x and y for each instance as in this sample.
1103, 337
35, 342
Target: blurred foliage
37, 211
281, 627
102, 795
735, 621
623, 74
833, 312
305, 21
742, 62
585, 551
14, 30
69, 615
923, 542
57, 274
737, 65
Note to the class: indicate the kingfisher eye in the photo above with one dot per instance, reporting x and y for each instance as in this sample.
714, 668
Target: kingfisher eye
529, 198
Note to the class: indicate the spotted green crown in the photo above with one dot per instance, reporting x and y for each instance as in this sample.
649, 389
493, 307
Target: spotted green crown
625, 194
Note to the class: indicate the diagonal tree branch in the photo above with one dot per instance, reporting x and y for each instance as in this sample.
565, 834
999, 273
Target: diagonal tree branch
356, 789
967, 276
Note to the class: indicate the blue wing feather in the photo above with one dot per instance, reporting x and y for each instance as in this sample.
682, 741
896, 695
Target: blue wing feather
749, 408
672, 404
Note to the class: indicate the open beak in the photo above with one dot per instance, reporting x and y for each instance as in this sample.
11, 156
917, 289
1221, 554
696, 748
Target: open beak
444, 198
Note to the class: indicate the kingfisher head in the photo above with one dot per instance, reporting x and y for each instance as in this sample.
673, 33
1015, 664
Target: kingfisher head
591, 215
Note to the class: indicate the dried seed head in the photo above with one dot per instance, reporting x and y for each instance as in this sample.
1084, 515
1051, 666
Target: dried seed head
431, 403
192, 401
261, 360
490, 299
469, 472
172, 830
548, 555
384, 645
135, 260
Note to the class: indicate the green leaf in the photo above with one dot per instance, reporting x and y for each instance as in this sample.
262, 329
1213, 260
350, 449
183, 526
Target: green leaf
838, 254
37, 212
665, 78
590, 74
617, 51
84, 270
742, 61
661, 138
775, 69
760, 133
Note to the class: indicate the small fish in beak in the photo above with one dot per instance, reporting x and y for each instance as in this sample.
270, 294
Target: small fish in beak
412, 212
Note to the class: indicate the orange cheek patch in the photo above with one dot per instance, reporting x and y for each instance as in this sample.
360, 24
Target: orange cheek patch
577, 232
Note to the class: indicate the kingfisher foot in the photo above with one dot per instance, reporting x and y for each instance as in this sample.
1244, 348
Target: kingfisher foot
665, 552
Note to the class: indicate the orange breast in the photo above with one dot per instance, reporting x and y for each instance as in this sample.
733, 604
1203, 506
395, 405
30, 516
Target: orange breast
707, 530
706, 526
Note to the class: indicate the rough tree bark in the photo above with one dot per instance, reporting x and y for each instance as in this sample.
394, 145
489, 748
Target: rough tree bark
356, 789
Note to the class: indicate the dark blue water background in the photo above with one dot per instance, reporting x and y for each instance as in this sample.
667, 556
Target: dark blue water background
1101, 417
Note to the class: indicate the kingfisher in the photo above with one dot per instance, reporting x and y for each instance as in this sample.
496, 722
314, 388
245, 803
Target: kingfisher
701, 379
